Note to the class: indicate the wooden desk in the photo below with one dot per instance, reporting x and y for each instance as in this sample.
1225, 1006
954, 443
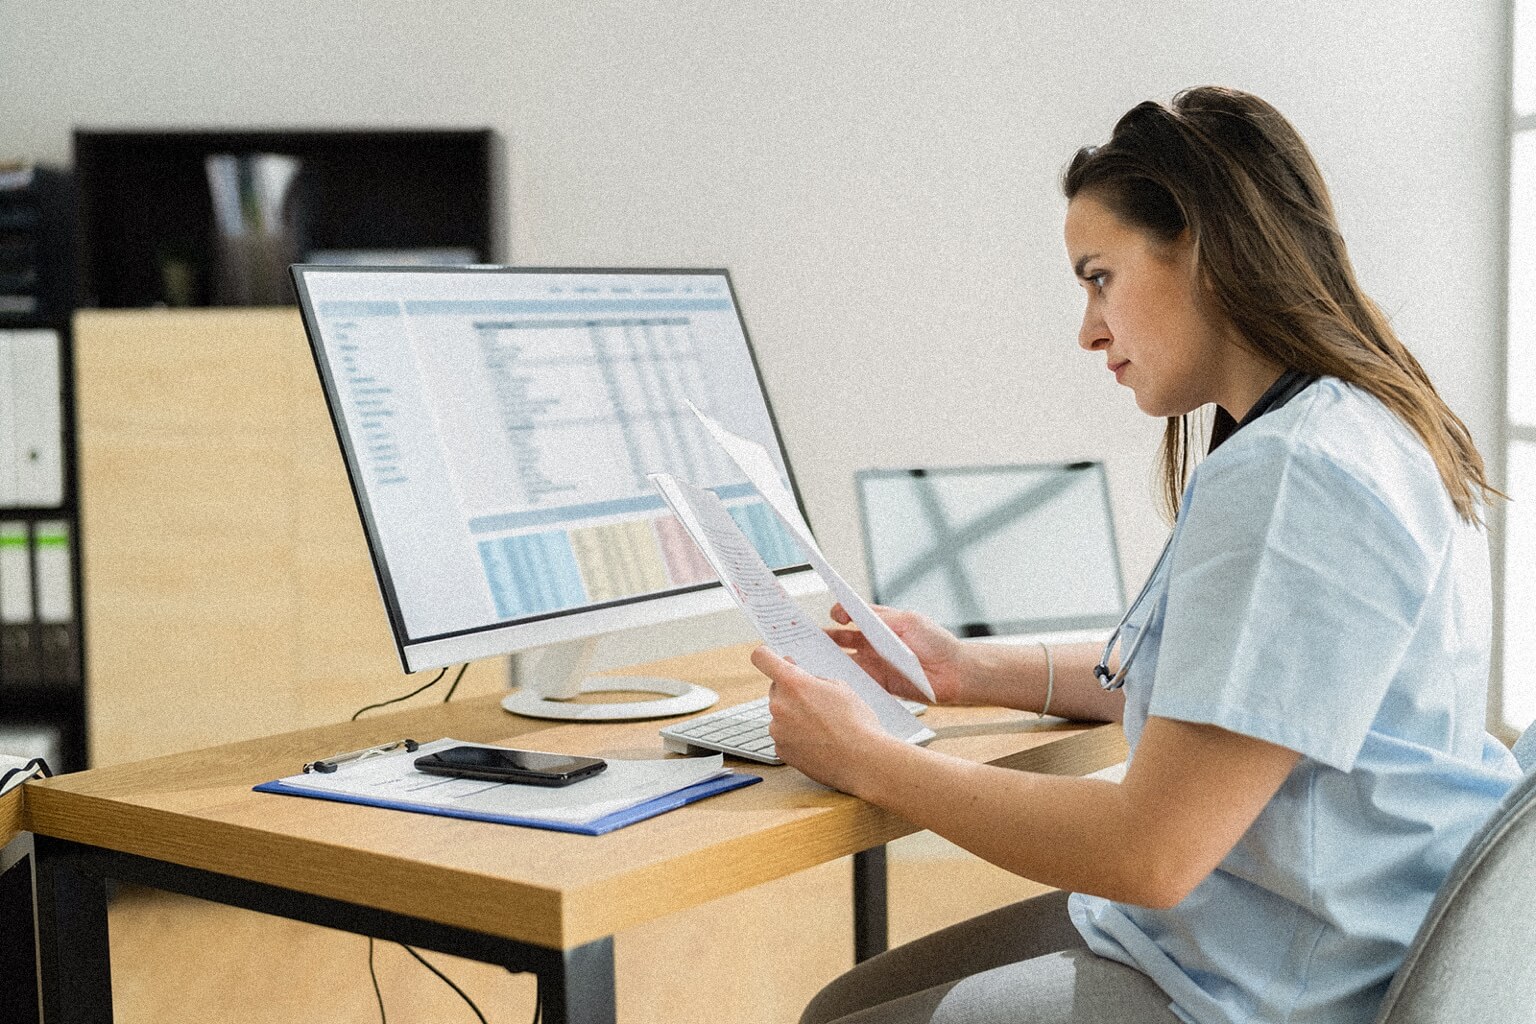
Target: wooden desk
524, 898
18, 950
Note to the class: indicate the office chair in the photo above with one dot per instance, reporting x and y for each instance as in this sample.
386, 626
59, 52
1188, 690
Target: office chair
1474, 957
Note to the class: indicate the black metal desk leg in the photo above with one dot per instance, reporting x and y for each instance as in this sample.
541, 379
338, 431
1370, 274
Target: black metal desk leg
871, 934
579, 989
72, 937
18, 944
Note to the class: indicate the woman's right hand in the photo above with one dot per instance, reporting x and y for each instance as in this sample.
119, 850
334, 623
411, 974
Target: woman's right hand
940, 652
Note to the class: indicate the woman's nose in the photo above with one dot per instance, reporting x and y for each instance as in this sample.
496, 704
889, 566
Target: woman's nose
1094, 334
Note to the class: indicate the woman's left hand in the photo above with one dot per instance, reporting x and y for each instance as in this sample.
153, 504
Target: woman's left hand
819, 725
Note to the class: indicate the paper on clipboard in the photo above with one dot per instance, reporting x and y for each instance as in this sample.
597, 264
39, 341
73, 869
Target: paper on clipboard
782, 623
628, 791
754, 460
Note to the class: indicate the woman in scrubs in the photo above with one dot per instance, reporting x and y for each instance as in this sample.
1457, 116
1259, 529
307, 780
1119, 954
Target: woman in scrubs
1305, 704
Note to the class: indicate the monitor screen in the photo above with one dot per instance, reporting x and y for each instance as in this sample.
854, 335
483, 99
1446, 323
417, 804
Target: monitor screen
498, 425
994, 550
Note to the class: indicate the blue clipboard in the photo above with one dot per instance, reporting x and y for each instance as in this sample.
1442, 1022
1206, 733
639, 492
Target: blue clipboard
600, 826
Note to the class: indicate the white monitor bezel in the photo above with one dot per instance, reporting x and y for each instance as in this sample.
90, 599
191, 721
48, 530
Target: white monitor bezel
510, 637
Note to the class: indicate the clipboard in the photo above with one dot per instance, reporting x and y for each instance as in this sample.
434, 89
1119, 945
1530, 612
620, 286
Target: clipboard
390, 781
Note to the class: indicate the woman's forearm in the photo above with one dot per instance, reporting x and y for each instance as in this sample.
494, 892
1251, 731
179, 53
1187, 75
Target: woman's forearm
1071, 833
1192, 793
1016, 676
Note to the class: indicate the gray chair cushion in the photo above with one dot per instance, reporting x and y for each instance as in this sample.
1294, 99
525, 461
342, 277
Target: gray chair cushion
1474, 958
1525, 749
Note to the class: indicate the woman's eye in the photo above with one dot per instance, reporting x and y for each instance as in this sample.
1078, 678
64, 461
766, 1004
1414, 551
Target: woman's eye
1097, 280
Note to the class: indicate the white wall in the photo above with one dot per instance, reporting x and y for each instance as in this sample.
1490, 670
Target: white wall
881, 178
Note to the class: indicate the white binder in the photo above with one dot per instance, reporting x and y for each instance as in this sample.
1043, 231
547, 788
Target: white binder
50, 548
16, 607
58, 653
31, 419
18, 649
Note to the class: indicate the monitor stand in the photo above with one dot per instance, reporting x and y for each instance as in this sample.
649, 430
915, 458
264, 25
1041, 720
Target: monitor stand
561, 675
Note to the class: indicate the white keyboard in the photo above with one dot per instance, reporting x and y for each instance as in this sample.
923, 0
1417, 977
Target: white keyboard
741, 731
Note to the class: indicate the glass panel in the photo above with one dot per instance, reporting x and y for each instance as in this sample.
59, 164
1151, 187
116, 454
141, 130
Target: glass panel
1519, 673
1525, 57
1522, 279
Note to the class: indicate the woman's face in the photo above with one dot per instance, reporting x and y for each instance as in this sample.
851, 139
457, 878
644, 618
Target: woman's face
1144, 315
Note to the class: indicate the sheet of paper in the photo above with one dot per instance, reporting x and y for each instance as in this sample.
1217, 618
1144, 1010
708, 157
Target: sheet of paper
623, 784
783, 624
758, 465
14, 771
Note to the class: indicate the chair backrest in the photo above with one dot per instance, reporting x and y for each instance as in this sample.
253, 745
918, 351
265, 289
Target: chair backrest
1474, 958
1525, 749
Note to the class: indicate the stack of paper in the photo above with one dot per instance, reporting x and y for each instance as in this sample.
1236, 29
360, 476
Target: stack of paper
623, 793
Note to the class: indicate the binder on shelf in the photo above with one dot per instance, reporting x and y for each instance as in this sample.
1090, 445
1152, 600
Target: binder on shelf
31, 419
58, 646
19, 662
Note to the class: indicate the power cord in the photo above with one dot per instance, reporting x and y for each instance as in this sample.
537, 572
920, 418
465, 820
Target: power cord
372, 971
395, 700
378, 995
445, 980
421, 689
383, 1018
455, 685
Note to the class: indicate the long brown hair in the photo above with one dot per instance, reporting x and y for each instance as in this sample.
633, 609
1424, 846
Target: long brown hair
1232, 170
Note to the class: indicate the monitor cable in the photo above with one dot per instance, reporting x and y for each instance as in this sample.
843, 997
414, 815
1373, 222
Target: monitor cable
378, 994
420, 689
455, 684
445, 980
372, 972
374, 977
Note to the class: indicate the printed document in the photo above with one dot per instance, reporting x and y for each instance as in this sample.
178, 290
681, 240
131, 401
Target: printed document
757, 464
783, 624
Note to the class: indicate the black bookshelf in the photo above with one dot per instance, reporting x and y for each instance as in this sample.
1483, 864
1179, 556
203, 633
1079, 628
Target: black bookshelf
134, 225
42, 678
149, 235
36, 232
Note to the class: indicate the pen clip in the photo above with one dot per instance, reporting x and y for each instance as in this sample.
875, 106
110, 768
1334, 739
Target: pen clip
330, 764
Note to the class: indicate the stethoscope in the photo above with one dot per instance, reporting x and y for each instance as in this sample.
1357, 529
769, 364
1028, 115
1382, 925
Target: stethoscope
1288, 386
1113, 681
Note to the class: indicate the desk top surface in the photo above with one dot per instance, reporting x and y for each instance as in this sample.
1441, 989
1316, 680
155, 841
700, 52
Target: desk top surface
553, 889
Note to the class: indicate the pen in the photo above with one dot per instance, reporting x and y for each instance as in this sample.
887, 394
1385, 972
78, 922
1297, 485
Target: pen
330, 764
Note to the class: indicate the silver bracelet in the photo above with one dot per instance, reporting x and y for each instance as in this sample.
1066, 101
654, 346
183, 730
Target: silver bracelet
1050, 677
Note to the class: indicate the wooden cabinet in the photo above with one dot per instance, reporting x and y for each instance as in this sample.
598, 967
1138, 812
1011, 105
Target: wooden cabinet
227, 587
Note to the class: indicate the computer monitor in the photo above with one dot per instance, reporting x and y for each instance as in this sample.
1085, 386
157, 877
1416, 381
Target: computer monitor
995, 550
498, 425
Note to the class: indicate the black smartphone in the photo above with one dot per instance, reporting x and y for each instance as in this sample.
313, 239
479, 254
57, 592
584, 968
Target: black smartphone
503, 764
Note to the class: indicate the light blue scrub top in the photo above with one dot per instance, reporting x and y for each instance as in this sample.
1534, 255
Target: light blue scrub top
1321, 594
